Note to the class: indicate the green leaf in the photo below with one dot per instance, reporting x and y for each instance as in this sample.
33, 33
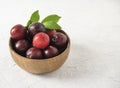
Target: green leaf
34, 18
29, 22
51, 25
53, 17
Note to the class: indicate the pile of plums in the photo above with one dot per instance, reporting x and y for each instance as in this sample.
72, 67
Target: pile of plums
37, 42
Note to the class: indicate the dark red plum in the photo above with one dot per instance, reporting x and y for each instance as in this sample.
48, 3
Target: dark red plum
34, 53
59, 39
21, 46
18, 32
36, 27
50, 51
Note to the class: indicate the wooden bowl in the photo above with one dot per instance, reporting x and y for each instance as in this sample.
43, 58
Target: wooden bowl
39, 66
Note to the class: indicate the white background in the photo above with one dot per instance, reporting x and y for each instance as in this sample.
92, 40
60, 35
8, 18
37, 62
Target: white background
94, 29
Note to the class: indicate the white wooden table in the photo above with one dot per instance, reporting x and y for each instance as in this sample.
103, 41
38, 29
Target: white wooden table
94, 29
